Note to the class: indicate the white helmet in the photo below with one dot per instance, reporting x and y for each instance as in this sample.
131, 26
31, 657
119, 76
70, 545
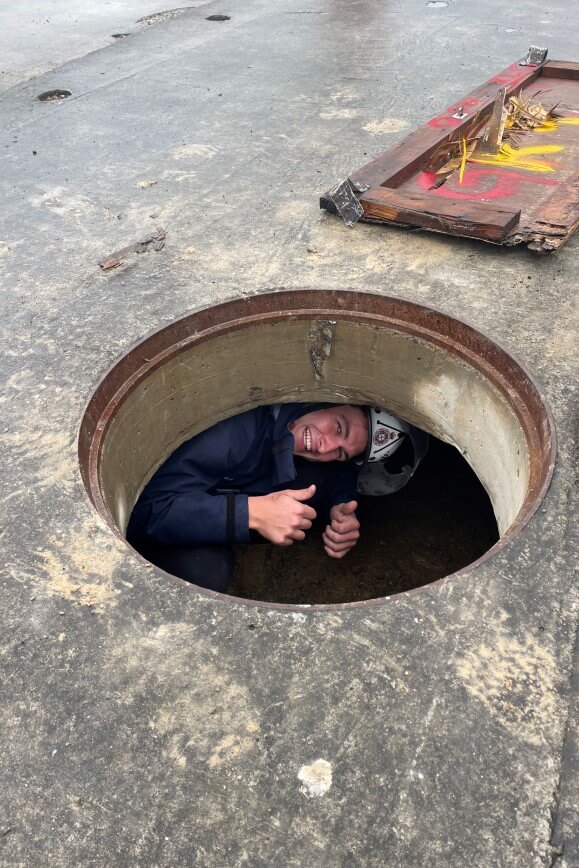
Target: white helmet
385, 434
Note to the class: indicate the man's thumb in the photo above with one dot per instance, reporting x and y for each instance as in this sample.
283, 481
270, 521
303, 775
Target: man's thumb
348, 508
303, 493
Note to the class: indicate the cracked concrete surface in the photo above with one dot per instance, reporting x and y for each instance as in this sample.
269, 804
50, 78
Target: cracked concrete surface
145, 722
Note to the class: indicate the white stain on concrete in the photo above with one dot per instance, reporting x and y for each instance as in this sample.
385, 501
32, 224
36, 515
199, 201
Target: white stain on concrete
204, 152
387, 125
331, 114
62, 201
316, 778
515, 680
346, 94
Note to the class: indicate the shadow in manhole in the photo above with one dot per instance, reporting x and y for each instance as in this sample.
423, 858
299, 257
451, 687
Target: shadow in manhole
440, 522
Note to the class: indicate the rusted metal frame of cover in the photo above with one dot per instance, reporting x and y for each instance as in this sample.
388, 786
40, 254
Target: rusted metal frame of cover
510, 378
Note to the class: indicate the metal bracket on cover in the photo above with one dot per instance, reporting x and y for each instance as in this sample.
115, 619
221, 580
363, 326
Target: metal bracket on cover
535, 56
359, 186
342, 198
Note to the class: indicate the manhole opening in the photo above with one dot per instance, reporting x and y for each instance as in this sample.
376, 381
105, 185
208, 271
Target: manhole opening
491, 456
438, 523
54, 95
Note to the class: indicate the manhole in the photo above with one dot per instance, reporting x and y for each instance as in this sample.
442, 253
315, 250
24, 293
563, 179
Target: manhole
53, 95
435, 371
218, 18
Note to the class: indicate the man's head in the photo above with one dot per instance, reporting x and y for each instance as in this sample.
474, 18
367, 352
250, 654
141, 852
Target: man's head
333, 434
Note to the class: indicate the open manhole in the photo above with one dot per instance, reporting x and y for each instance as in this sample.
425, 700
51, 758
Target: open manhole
489, 466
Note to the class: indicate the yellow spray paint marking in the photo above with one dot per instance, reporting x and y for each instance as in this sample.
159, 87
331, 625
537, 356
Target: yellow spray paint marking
551, 125
533, 149
463, 161
546, 127
520, 158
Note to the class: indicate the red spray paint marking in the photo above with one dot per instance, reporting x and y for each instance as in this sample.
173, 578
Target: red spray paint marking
512, 75
446, 120
496, 183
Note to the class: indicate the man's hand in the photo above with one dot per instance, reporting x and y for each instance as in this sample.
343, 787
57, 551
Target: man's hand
282, 517
343, 531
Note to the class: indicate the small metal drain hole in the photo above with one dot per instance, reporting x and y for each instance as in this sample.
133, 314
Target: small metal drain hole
54, 95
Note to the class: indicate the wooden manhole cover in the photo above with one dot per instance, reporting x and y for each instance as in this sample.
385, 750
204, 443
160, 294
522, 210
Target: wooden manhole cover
500, 165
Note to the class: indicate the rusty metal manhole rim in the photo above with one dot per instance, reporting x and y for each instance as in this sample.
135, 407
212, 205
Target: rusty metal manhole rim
127, 373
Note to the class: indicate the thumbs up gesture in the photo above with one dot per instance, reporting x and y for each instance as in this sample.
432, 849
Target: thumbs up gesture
283, 516
343, 531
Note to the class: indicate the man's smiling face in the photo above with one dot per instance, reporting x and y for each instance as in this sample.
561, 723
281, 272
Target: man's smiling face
334, 434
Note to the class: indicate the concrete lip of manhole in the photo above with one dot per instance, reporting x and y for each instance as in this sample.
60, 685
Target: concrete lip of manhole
313, 345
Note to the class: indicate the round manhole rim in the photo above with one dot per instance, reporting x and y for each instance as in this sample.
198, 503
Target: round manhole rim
239, 311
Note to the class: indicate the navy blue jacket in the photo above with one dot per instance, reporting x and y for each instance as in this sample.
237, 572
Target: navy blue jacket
199, 495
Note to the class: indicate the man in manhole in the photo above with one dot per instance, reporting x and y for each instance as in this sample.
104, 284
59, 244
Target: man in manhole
270, 472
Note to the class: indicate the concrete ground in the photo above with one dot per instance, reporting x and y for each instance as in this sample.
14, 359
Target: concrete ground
41, 35
145, 723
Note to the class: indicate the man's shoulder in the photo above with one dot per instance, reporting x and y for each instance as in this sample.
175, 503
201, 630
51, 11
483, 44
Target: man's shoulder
235, 431
250, 419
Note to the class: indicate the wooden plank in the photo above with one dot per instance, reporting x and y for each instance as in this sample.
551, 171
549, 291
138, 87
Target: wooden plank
555, 220
392, 167
470, 219
562, 208
560, 69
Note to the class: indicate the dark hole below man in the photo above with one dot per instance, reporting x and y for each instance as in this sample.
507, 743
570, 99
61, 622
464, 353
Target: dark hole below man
269, 473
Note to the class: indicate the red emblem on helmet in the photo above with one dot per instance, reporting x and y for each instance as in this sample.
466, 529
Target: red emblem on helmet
382, 435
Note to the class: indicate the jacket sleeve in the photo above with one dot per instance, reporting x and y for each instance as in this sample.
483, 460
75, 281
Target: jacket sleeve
344, 488
179, 505
197, 517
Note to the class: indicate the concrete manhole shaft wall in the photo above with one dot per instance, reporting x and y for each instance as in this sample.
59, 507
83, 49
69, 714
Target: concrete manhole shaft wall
302, 345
